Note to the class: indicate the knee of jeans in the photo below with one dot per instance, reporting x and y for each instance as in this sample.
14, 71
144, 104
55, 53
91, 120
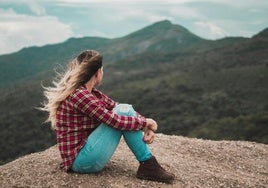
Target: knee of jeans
124, 109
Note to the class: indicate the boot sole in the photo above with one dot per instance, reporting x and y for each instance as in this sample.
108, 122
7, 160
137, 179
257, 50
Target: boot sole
155, 179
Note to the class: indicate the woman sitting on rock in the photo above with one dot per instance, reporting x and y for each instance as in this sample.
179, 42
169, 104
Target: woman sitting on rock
89, 124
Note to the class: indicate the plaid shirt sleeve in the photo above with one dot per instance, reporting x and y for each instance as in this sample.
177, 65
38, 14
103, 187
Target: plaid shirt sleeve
100, 108
110, 104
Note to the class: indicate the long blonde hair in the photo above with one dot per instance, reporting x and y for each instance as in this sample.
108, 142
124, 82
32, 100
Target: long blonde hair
79, 72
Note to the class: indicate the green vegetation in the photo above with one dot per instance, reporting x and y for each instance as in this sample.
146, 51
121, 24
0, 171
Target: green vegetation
192, 87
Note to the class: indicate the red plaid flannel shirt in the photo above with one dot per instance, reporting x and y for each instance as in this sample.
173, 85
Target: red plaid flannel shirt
80, 113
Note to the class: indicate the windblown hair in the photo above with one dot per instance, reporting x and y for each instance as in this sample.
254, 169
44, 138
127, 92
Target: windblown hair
79, 72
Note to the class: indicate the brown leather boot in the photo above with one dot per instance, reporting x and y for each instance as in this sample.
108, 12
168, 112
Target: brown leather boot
151, 170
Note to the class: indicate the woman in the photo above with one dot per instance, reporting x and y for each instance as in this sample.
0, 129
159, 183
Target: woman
89, 124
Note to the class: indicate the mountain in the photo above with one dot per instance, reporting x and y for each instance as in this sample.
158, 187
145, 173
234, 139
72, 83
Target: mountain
213, 89
195, 162
159, 37
262, 35
31, 61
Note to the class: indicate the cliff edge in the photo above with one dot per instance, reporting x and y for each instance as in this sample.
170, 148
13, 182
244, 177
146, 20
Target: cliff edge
196, 163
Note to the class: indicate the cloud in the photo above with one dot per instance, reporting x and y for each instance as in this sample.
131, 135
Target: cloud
185, 12
244, 3
18, 31
36, 8
137, 14
211, 30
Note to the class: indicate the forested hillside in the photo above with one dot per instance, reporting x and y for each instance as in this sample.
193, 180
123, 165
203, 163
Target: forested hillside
191, 86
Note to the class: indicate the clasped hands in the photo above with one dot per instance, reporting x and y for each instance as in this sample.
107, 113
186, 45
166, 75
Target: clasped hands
151, 127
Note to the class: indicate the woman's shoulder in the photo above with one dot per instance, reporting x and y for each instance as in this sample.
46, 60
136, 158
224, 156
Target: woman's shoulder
80, 92
98, 93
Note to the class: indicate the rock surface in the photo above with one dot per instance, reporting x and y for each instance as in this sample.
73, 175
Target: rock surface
196, 163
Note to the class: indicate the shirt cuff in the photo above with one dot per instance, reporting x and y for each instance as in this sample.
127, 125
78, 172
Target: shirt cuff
143, 122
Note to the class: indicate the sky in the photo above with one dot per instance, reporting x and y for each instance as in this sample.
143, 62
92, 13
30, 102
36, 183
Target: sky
25, 23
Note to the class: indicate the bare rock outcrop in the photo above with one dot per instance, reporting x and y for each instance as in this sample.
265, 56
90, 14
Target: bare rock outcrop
196, 163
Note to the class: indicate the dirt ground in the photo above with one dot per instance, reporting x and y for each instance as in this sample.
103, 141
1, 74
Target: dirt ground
196, 163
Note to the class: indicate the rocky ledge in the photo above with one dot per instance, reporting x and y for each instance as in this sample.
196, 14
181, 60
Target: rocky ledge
196, 163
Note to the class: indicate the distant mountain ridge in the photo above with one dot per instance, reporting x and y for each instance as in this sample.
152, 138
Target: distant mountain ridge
213, 89
262, 34
160, 37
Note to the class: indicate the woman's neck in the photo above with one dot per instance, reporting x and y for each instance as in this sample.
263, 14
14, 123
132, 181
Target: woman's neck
90, 85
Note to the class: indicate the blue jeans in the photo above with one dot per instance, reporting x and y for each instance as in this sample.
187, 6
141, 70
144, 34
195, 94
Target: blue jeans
103, 141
